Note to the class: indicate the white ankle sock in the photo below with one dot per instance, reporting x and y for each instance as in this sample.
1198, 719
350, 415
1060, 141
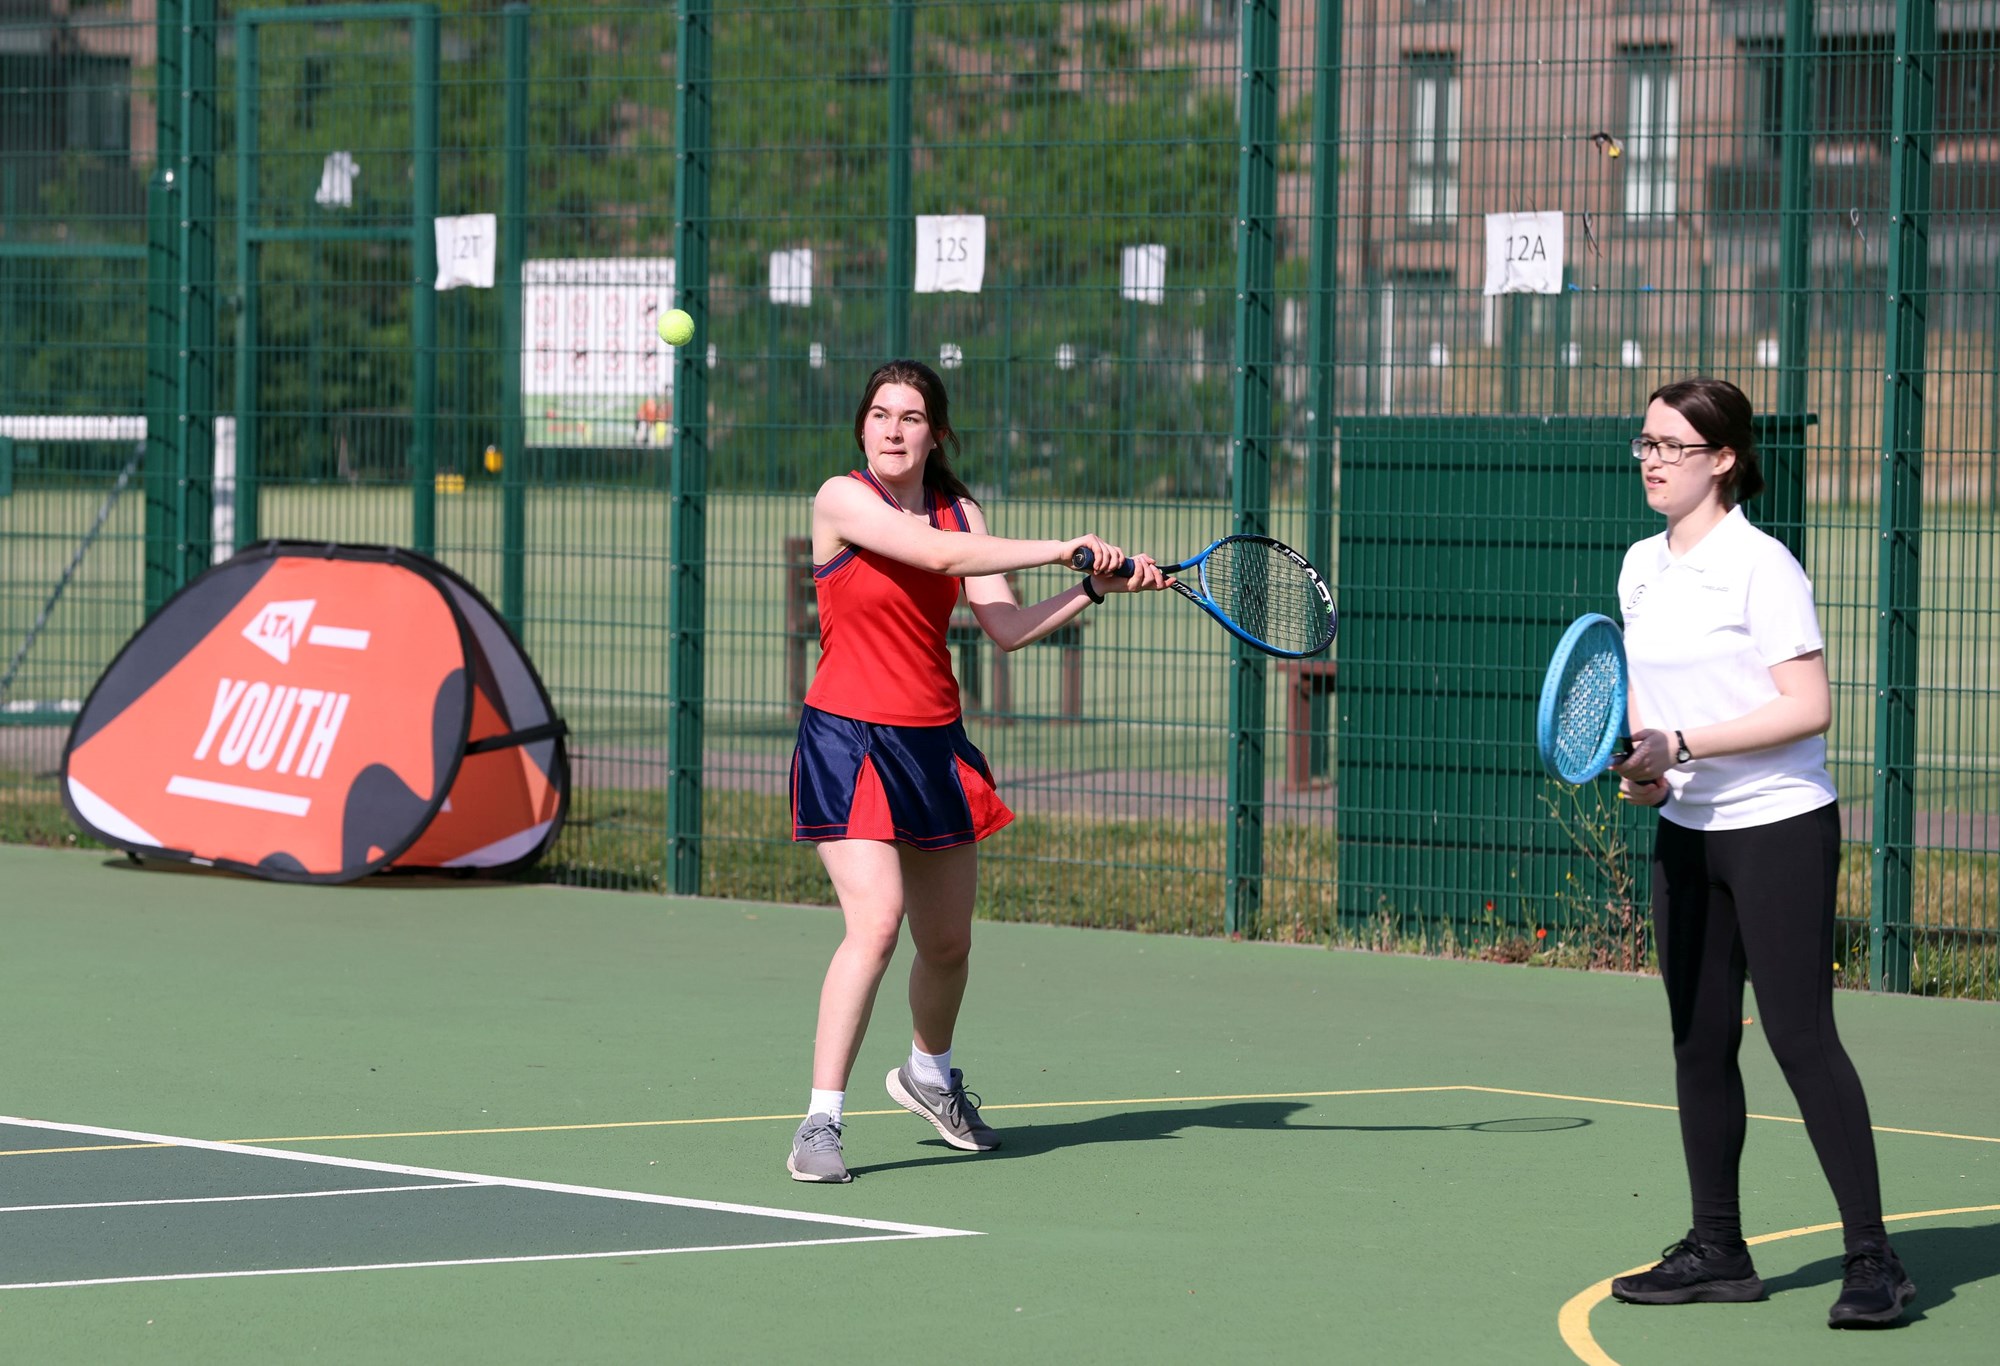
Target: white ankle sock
826, 1103
932, 1069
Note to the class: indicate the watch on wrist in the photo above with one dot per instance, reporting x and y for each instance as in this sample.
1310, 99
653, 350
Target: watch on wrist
1681, 755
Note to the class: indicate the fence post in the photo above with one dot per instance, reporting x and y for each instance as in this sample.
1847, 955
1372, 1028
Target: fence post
1251, 441
1785, 467
162, 195
513, 423
249, 262
423, 284
901, 265
1323, 339
193, 431
688, 490
1899, 573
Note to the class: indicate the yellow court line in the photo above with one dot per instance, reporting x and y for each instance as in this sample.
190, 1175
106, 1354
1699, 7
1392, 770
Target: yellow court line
1574, 1319
1024, 1105
743, 1119
759, 1119
1775, 1119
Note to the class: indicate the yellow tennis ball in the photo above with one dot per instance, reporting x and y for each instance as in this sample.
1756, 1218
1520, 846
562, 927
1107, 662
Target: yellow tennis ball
676, 327
493, 460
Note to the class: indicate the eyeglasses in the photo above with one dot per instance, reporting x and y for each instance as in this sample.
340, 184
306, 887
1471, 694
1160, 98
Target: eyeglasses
1670, 452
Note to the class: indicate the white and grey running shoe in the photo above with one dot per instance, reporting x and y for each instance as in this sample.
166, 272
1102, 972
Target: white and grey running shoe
953, 1112
816, 1151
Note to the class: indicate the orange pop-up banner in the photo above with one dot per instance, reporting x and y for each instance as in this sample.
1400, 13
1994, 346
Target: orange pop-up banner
315, 713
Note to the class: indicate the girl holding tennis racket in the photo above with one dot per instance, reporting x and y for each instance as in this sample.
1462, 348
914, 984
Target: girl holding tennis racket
884, 781
1729, 706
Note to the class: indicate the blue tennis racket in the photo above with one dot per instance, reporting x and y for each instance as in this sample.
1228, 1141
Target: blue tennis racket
1580, 723
1263, 592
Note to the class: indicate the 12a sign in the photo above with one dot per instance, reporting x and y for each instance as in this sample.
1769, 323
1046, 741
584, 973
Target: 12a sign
1524, 253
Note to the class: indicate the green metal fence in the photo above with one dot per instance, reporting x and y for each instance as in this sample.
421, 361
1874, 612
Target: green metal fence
1186, 265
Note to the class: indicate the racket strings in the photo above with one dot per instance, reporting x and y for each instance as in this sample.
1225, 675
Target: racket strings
1589, 693
1268, 595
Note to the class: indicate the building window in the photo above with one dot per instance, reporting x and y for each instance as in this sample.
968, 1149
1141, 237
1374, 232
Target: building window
97, 114
1433, 139
1764, 90
1652, 132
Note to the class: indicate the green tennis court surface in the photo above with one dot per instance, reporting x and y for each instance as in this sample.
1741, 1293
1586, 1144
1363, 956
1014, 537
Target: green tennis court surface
124, 1206
1213, 1151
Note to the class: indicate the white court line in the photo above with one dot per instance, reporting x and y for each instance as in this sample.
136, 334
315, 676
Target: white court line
233, 1199
458, 1261
478, 1179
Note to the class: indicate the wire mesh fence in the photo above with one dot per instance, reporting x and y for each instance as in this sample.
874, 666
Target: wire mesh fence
1388, 279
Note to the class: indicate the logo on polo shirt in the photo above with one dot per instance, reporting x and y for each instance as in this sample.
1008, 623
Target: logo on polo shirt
1632, 603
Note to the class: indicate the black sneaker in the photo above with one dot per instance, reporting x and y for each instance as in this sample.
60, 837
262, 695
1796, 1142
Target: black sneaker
1694, 1272
1874, 1289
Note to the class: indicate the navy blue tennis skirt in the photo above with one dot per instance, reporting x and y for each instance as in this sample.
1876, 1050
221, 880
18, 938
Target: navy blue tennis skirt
925, 786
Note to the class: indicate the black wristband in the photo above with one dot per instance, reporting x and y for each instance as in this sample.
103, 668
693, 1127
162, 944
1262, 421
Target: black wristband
1090, 591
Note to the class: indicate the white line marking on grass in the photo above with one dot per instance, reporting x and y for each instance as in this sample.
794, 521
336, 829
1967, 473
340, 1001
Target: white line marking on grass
234, 1199
519, 1183
465, 1261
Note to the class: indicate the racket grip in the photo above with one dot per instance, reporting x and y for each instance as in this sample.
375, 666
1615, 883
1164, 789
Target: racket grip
1083, 559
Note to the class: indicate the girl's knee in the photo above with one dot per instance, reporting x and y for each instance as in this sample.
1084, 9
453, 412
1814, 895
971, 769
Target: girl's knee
874, 944
948, 955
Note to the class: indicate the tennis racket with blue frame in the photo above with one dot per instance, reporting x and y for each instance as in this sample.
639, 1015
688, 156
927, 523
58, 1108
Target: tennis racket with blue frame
1580, 722
1263, 592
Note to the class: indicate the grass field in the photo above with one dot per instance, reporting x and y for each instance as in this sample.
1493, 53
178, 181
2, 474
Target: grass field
597, 569
1155, 677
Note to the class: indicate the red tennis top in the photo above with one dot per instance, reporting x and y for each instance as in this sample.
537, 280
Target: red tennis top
883, 656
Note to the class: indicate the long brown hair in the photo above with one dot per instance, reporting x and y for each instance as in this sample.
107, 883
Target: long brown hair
939, 476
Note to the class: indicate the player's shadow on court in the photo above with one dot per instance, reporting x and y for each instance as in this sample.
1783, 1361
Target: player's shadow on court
1030, 1138
1939, 1260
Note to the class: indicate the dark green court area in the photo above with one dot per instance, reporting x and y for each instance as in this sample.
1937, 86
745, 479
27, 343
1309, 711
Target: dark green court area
470, 1118
112, 1206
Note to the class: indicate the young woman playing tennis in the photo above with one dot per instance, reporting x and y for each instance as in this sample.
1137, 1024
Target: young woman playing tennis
1729, 709
884, 781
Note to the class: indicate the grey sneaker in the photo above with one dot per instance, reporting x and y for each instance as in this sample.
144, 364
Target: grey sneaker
816, 1151
954, 1112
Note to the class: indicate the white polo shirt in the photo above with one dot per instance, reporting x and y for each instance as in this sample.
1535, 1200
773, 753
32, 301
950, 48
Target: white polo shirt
1701, 635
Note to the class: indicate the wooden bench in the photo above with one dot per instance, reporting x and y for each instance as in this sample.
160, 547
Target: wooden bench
963, 635
1305, 743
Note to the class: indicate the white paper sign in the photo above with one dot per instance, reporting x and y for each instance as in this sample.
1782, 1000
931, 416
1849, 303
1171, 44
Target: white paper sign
591, 325
594, 372
951, 253
1144, 277
792, 277
466, 248
1524, 253
336, 181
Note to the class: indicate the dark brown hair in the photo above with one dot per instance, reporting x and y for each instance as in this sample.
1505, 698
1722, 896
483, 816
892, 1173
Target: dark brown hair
1721, 413
938, 474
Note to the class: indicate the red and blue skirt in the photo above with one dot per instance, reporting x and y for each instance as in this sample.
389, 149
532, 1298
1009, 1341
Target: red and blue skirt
925, 786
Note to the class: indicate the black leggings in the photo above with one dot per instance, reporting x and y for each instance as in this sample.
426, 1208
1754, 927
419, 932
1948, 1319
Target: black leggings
1761, 900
